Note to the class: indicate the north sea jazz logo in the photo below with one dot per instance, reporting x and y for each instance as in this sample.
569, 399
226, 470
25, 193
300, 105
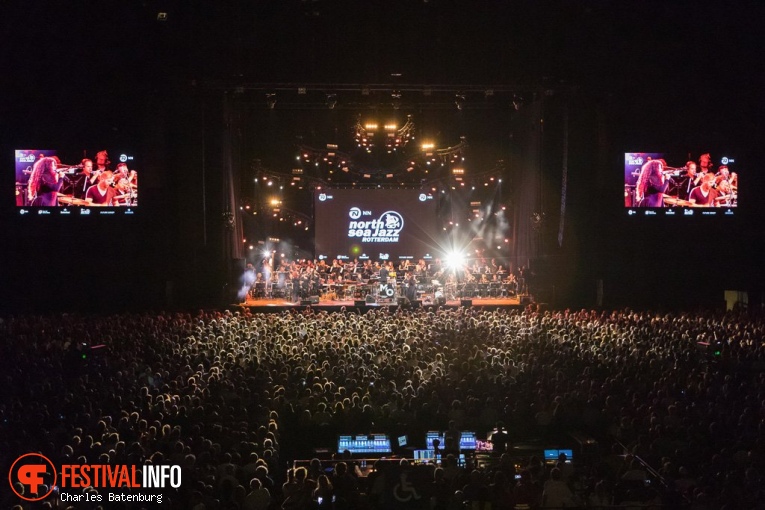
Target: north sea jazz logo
385, 229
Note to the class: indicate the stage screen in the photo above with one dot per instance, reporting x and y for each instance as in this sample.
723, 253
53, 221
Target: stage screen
680, 185
377, 224
53, 182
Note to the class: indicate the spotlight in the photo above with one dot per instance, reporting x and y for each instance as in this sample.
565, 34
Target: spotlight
454, 259
331, 101
271, 101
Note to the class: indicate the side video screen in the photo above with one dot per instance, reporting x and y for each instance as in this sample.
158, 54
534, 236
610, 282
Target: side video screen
76, 183
668, 184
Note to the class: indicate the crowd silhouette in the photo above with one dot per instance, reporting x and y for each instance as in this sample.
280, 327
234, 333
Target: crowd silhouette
676, 400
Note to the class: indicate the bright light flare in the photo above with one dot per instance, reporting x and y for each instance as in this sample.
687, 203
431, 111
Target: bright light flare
454, 259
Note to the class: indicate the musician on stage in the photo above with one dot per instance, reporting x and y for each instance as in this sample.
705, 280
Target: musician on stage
436, 268
511, 283
44, 183
411, 286
384, 273
258, 288
336, 268
350, 267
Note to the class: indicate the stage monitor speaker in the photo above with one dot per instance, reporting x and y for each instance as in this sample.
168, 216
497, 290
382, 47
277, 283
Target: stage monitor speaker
440, 301
403, 301
417, 303
370, 299
359, 302
466, 302
312, 300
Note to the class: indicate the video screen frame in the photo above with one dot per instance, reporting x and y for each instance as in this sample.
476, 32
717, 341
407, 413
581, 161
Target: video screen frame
670, 184
54, 182
378, 224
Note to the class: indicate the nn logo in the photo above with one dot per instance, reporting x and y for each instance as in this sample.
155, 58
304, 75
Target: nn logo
32, 477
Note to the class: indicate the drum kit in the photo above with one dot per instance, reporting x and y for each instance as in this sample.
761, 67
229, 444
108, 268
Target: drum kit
676, 202
70, 200
721, 201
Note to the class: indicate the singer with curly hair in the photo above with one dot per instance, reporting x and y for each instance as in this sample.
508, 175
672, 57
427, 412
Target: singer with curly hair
44, 183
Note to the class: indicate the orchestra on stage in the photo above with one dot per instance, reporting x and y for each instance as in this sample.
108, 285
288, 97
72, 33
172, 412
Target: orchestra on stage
382, 281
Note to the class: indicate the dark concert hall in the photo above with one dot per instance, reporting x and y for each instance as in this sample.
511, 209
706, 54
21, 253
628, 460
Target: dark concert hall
371, 255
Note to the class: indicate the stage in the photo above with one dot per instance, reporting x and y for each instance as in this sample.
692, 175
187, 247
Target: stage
278, 304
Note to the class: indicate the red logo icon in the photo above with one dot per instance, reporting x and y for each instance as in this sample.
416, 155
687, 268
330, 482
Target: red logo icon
32, 470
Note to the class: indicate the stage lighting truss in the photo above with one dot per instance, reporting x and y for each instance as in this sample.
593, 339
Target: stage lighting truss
370, 134
333, 165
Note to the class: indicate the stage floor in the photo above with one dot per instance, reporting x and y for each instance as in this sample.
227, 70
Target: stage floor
277, 304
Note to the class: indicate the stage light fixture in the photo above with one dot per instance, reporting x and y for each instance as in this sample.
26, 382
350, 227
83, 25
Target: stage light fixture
271, 101
459, 101
331, 101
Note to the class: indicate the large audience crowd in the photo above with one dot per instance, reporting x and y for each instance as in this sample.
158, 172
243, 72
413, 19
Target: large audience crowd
235, 397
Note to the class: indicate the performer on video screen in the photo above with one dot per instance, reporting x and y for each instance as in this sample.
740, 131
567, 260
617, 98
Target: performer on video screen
44, 183
122, 172
651, 184
704, 195
102, 194
102, 161
123, 195
687, 182
705, 164
85, 180
91, 171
